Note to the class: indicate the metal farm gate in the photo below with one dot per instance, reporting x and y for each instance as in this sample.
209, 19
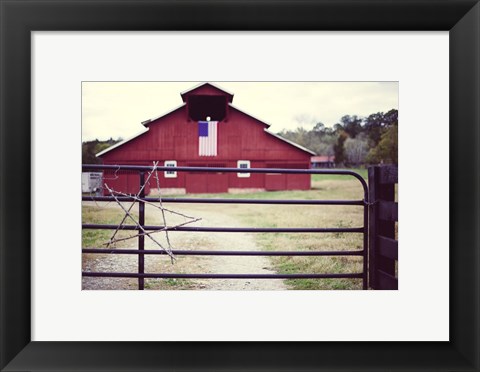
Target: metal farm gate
383, 249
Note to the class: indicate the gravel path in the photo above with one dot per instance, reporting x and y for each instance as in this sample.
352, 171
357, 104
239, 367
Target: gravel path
212, 215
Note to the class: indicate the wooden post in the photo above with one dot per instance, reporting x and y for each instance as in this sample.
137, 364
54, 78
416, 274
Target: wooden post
372, 227
383, 212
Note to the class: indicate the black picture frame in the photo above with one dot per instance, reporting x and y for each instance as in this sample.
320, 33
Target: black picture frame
19, 18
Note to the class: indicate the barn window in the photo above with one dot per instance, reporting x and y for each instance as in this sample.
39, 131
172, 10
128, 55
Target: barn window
244, 164
170, 174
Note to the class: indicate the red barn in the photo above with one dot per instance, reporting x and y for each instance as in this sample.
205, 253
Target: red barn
208, 131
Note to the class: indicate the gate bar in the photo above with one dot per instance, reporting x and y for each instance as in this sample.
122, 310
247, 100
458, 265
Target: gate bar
224, 253
230, 170
147, 168
222, 276
225, 201
230, 229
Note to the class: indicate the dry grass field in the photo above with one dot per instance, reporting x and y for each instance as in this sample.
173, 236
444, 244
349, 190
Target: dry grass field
240, 215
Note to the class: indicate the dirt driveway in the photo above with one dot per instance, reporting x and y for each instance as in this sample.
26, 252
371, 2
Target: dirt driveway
213, 216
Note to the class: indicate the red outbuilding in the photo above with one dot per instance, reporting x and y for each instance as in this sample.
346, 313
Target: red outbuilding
208, 131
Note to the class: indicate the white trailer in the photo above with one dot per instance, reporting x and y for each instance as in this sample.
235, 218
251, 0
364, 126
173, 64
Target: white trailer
91, 181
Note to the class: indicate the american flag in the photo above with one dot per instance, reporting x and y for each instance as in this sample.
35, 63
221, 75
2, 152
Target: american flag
207, 138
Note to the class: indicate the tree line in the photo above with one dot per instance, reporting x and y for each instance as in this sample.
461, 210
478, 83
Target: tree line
354, 140
91, 148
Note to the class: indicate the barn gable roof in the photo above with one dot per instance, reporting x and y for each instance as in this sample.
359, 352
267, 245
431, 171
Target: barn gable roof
206, 86
289, 142
273, 134
147, 122
121, 143
250, 115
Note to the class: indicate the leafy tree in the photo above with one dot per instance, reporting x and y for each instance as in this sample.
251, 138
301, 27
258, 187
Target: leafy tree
339, 148
321, 129
387, 149
374, 127
338, 128
352, 125
391, 118
356, 150
91, 148
376, 124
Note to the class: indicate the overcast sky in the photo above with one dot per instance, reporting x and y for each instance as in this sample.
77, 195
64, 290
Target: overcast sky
116, 109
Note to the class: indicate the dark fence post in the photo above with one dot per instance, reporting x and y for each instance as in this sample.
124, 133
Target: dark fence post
141, 238
383, 247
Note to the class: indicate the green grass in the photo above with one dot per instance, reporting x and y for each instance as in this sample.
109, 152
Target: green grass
99, 215
169, 284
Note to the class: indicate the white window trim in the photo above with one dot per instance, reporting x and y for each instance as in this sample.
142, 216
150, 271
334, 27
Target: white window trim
240, 162
170, 174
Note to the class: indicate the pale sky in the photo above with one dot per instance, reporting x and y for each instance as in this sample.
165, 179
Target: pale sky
116, 109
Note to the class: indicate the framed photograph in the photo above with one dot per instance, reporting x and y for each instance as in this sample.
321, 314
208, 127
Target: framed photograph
49, 49
319, 235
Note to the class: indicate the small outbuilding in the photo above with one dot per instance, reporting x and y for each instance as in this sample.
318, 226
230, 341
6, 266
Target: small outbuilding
323, 161
206, 130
